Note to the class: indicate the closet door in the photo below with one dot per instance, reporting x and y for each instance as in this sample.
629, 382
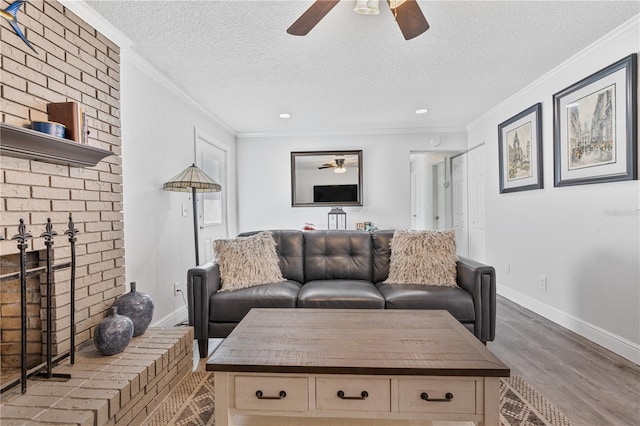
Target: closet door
439, 197
459, 195
476, 193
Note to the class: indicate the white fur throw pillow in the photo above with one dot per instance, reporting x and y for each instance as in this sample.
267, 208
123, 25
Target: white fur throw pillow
247, 261
423, 257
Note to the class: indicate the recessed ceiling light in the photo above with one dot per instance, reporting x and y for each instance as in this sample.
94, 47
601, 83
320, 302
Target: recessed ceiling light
422, 111
285, 115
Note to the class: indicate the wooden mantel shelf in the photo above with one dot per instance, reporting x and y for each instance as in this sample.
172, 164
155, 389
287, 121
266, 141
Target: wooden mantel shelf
26, 143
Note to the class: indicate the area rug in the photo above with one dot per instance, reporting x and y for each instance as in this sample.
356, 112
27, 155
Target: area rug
521, 405
192, 403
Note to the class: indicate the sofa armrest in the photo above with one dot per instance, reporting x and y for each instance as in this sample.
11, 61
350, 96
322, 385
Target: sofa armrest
202, 282
480, 280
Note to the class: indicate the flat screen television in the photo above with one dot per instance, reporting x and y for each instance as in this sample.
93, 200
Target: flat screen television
335, 193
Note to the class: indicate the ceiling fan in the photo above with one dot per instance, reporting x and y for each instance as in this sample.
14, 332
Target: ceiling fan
407, 13
339, 166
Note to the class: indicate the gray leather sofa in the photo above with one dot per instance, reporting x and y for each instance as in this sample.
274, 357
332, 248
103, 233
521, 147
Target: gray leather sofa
338, 269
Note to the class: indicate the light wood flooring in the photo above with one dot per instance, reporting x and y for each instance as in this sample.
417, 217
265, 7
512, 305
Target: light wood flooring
589, 384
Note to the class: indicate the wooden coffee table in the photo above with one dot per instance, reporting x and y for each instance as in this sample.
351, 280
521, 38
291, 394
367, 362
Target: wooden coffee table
404, 365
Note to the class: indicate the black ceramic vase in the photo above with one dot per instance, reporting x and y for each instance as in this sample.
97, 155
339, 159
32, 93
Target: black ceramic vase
138, 307
113, 333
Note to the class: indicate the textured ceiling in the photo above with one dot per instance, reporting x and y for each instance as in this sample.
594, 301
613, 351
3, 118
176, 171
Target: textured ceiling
356, 73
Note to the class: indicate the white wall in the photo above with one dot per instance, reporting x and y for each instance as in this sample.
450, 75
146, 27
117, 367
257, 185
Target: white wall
584, 239
158, 143
264, 178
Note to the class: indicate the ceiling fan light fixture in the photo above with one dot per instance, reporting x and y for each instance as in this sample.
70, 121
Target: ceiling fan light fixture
340, 168
367, 7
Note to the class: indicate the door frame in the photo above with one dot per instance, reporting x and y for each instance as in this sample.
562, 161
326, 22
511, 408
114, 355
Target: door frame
200, 137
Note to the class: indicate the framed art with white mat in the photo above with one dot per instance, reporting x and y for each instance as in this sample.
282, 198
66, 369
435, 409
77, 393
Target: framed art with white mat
595, 127
520, 151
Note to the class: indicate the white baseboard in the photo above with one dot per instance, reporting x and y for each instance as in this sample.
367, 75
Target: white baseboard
604, 338
176, 317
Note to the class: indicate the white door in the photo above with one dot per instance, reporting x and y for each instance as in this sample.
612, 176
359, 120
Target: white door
476, 194
212, 157
459, 195
439, 206
416, 200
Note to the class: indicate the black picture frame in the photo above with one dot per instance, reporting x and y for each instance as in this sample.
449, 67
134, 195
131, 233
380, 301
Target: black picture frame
595, 127
520, 151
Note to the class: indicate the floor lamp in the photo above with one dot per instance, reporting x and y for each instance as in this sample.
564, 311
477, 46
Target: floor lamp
193, 179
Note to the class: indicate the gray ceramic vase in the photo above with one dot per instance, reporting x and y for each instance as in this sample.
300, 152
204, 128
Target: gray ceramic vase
138, 307
113, 333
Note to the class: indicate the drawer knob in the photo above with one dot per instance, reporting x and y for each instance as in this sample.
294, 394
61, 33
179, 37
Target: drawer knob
281, 395
447, 397
363, 395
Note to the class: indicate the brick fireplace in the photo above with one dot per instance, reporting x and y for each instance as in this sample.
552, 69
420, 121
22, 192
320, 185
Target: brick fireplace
10, 293
74, 63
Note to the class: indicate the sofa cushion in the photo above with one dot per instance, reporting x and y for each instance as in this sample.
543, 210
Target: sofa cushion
289, 246
423, 257
381, 254
340, 294
232, 306
457, 301
247, 261
342, 255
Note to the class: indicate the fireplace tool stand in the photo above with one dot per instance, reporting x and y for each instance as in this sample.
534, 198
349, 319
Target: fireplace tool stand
44, 369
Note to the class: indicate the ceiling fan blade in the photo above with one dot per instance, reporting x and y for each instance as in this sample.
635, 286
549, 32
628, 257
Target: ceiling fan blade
410, 19
326, 166
311, 17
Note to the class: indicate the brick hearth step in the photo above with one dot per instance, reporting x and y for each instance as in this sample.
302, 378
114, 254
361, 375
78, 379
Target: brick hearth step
122, 389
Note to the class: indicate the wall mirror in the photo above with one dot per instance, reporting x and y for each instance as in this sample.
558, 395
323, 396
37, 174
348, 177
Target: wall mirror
321, 178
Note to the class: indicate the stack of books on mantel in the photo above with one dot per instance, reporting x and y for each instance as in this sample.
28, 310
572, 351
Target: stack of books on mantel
70, 115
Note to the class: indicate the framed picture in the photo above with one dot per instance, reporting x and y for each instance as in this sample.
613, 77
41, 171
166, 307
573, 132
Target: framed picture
595, 122
520, 151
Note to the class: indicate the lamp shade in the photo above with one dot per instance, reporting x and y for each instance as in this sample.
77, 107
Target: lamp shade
192, 178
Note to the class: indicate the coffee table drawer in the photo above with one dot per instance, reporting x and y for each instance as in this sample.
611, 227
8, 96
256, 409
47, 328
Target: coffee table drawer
450, 395
271, 393
353, 394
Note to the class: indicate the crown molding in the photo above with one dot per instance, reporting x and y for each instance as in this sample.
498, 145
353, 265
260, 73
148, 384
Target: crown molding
355, 132
139, 62
609, 39
106, 28
97, 21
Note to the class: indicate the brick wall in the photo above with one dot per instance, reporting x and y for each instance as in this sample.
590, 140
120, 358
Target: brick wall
74, 63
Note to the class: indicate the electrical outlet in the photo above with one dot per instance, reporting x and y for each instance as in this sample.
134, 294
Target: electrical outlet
176, 289
542, 285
